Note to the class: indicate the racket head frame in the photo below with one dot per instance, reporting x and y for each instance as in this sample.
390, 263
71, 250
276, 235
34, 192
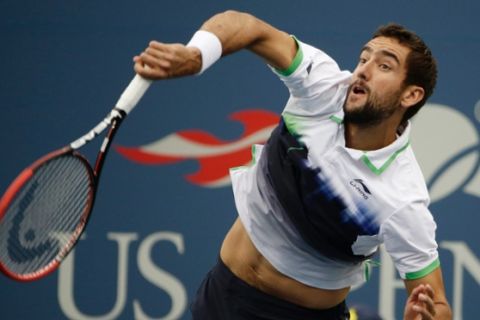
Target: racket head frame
17, 185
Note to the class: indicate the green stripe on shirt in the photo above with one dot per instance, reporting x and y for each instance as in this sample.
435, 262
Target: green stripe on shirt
295, 63
422, 273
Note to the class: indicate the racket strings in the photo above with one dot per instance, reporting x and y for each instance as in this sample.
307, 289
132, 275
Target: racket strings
42, 218
59, 224
25, 244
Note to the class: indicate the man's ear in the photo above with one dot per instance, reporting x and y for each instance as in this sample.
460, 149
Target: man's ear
412, 95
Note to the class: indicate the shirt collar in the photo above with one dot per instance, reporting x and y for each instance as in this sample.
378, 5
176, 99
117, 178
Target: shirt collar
379, 160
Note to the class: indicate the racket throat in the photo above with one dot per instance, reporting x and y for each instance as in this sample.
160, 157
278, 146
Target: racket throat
102, 154
113, 116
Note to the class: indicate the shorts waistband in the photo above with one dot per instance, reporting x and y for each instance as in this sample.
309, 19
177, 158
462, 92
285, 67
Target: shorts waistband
259, 298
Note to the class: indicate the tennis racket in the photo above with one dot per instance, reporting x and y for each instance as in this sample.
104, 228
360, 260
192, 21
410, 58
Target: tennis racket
46, 208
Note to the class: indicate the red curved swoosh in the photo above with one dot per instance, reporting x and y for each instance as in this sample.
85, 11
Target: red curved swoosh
215, 156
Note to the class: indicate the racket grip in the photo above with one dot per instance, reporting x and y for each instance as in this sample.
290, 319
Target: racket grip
133, 93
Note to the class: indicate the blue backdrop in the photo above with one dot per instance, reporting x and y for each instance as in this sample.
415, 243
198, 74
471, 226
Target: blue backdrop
156, 229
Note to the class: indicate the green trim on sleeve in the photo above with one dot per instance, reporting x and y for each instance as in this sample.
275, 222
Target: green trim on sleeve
422, 273
295, 63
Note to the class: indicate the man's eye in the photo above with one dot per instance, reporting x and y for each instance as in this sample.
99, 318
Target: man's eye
362, 60
384, 66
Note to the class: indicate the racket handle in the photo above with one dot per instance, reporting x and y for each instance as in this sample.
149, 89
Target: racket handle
133, 93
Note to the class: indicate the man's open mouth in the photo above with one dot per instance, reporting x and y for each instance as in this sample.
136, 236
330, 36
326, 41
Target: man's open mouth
359, 89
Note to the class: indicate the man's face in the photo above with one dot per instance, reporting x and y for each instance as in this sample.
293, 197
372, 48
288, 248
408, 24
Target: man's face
377, 82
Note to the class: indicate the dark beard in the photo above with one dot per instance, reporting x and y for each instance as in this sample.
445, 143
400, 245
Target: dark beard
372, 112
368, 115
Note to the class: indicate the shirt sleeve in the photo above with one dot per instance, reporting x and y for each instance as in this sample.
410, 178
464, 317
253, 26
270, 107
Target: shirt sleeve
409, 238
316, 84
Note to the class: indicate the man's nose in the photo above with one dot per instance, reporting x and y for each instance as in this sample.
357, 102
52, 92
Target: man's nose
364, 71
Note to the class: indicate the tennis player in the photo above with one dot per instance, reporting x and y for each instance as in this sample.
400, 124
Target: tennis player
336, 179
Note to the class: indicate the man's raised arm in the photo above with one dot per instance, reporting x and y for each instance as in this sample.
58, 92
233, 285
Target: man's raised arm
223, 34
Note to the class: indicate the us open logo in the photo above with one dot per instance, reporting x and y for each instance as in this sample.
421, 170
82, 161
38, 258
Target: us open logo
447, 147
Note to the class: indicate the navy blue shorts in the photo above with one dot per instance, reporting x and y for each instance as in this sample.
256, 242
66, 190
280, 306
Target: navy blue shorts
223, 296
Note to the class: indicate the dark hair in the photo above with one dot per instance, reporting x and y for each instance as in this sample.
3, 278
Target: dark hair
421, 65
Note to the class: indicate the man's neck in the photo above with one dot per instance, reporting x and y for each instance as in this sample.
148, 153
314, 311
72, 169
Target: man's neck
367, 138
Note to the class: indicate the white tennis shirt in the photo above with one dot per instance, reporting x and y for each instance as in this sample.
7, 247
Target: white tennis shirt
381, 194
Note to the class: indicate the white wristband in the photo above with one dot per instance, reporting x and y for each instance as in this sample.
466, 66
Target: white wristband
209, 45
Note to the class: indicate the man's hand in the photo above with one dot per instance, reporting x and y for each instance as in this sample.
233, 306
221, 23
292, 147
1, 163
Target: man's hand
427, 298
164, 61
420, 304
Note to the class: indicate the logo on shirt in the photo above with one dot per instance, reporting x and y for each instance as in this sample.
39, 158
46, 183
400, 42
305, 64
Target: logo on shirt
361, 188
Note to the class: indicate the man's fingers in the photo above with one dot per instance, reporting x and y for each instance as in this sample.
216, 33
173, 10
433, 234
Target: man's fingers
167, 61
158, 45
422, 297
428, 302
154, 61
148, 72
161, 55
426, 315
430, 291
428, 298
415, 292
